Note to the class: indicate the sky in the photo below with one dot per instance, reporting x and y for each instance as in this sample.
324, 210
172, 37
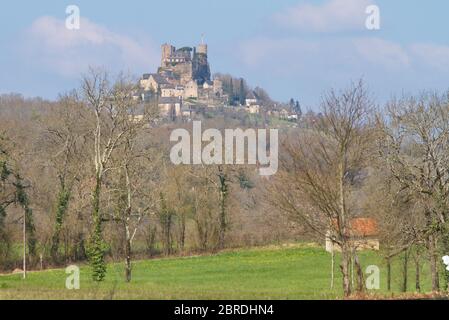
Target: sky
292, 48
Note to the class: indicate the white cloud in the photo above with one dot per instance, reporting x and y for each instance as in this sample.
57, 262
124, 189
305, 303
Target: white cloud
309, 65
436, 56
280, 53
294, 54
332, 16
70, 52
381, 52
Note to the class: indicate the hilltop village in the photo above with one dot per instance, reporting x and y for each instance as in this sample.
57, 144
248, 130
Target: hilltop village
183, 86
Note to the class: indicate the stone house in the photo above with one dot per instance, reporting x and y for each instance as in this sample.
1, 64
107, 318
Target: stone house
252, 109
170, 107
153, 82
251, 99
191, 90
363, 233
172, 91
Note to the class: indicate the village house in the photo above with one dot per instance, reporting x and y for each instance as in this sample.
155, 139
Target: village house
253, 109
251, 99
252, 103
170, 107
363, 233
172, 91
191, 90
153, 82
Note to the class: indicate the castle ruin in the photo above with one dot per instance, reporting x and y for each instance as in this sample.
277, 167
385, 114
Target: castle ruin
183, 75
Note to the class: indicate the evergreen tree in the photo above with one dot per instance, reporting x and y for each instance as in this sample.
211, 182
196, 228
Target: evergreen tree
61, 211
298, 108
231, 93
97, 247
292, 103
242, 93
96, 254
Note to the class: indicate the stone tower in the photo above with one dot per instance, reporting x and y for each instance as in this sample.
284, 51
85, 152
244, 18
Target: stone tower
167, 51
201, 69
202, 49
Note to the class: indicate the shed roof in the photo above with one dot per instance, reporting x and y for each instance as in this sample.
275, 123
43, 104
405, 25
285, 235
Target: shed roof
363, 227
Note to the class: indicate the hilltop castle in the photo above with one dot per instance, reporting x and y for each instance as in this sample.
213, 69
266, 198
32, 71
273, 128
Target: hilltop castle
184, 74
186, 65
182, 84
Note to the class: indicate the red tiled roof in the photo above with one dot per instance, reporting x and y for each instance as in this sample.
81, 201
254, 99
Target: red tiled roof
363, 227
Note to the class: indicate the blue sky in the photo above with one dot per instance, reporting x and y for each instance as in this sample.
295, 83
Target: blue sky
292, 48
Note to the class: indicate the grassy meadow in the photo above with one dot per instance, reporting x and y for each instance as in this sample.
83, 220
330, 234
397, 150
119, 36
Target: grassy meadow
284, 272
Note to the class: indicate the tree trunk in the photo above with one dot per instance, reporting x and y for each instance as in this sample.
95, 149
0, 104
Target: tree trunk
389, 273
417, 275
332, 266
352, 270
165, 218
223, 218
345, 270
151, 239
182, 232
360, 278
433, 264
167, 235
405, 271
445, 247
128, 260
96, 245
61, 211
345, 250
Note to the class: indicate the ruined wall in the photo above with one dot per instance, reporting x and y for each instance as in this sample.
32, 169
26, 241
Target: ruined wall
167, 51
201, 69
185, 71
196, 68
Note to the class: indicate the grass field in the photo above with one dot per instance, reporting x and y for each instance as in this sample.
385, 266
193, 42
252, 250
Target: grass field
289, 272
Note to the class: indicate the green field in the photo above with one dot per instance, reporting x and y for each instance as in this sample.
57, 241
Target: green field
289, 272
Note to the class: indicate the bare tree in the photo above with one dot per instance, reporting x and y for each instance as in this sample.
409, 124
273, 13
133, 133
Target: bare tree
64, 142
415, 143
111, 105
13, 191
133, 159
320, 168
204, 196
